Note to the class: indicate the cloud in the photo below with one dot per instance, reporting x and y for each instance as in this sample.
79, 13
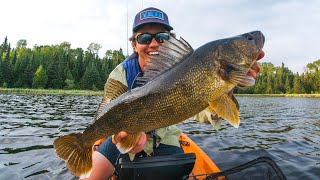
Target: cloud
290, 26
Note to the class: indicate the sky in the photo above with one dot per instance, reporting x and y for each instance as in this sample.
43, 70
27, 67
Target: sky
290, 26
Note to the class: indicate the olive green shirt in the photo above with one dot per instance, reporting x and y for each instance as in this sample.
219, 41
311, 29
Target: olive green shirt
167, 135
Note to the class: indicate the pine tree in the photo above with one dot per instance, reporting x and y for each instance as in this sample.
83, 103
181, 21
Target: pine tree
55, 71
297, 86
288, 85
91, 78
69, 82
52, 75
40, 78
7, 69
270, 84
29, 71
4, 46
1, 76
78, 69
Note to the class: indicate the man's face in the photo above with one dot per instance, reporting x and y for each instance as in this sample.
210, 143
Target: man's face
145, 51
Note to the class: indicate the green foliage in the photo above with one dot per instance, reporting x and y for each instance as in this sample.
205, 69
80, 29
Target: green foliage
40, 78
94, 48
91, 78
69, 82
6, 68
280, 80
68, 68
65, 68
22, 43
288, 85
1, 76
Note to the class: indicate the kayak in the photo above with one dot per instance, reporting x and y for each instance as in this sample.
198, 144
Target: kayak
194, 162
202, 164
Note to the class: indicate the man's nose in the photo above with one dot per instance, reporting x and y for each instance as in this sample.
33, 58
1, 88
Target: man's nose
154, 43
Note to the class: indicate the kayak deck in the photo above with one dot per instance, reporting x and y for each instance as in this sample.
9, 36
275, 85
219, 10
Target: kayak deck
203, 164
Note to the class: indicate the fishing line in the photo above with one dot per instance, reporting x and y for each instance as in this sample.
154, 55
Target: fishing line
294, 156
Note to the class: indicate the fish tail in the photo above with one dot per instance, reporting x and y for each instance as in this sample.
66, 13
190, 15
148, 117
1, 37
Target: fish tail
77, 156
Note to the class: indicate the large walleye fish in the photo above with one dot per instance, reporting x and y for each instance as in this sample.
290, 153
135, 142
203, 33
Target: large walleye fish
176, 85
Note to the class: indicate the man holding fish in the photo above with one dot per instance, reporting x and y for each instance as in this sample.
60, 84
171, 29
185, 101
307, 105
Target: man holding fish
153, 89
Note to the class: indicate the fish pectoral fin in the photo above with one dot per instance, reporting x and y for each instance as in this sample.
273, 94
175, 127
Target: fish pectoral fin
129, 142
209, 116
227, 109
77, 156
214, 118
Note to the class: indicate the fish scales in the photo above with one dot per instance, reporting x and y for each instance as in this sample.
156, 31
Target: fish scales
195, 82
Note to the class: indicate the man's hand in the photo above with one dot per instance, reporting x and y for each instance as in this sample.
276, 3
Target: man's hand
255, 68
139, 146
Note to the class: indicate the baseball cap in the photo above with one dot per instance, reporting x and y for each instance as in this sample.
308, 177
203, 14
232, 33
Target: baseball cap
151, 15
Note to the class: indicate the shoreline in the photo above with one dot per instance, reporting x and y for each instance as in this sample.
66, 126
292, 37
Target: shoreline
282, 95
49, 91
100, 92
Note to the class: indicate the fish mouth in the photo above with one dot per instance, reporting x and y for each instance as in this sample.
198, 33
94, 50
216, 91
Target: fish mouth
253, 72
250, 78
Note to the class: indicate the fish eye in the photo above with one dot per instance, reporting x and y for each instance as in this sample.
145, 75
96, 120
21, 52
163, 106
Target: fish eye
249, 37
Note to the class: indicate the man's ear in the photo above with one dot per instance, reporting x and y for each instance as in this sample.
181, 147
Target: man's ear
133, 44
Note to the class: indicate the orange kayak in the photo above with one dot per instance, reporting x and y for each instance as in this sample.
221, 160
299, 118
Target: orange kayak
203, 163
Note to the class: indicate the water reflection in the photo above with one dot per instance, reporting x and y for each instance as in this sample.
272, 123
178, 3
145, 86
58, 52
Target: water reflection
286, 129
18, 150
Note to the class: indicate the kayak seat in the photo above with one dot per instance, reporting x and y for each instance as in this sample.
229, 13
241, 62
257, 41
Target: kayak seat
170, 167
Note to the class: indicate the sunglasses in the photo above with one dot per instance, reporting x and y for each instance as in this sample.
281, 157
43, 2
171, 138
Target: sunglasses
146, 38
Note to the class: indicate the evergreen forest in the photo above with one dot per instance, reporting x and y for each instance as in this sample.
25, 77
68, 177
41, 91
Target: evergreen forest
61, 67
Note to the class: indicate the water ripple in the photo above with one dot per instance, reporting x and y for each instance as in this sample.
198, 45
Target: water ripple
286, 129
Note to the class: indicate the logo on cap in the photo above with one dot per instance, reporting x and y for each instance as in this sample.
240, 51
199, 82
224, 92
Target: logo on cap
151, 14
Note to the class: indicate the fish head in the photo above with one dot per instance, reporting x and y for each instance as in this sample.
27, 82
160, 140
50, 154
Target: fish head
237, 54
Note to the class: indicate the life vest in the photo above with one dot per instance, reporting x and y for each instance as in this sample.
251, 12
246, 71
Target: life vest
132, 68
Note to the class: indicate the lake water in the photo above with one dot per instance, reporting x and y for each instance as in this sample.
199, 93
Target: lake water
285, 129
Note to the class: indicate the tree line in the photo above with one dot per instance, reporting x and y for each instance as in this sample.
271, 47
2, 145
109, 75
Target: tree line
55, 66
281, 80
61, 67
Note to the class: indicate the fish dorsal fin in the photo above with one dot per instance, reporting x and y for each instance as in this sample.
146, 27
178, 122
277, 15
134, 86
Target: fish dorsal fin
113, 89
171, 53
